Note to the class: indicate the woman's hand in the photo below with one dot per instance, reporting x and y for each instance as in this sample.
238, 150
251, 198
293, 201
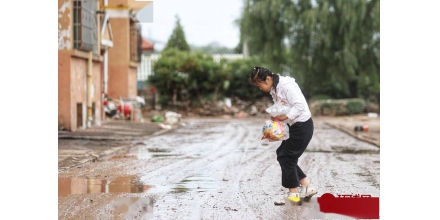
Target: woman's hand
279, 118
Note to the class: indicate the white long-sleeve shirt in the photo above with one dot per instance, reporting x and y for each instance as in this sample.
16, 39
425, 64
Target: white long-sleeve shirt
289, 92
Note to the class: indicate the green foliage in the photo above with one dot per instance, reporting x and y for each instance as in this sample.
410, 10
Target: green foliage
240, 86
330, 47
264, 27
320, 97
177, 38
182, 76
164, 99
188, 76
337, 106
355, 106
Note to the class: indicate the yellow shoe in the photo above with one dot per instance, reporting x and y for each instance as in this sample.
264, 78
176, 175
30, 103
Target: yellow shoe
294, 197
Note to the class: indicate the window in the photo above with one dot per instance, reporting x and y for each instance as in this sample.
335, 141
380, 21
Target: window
85, 25
79, 115
135, 43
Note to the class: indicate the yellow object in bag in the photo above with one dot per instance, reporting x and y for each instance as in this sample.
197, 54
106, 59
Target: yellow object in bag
275, 131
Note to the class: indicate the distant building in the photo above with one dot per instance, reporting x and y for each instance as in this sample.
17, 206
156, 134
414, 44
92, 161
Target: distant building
147, 46
99, 51
218, 57
79, 64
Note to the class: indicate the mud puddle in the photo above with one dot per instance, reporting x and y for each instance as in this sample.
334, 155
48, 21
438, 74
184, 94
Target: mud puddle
199, 182
195, 183
147, 153
72, 186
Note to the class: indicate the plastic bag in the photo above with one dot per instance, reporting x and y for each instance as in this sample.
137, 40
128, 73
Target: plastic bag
278, 109
275, 131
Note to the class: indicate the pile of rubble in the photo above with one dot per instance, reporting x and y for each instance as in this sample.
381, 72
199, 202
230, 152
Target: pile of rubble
228, 107
233, 107
123, 108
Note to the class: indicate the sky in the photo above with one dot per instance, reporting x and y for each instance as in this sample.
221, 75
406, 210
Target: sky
203, 21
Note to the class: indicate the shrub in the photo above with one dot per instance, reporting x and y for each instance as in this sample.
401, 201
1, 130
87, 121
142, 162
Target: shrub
319, 97
372, 107
355, 106
336, 107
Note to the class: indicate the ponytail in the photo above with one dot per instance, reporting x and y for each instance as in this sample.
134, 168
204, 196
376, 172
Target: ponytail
276, 80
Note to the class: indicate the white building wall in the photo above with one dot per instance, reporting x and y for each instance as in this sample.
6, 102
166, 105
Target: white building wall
146, 66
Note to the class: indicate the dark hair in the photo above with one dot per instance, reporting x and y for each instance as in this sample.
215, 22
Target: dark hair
259, 74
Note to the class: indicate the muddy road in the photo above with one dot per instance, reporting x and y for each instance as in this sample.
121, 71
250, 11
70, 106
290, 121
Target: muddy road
214, 169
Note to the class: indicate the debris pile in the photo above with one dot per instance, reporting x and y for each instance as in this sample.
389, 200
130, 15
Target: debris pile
235, 107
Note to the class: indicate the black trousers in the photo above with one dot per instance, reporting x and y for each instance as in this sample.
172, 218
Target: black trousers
291, 149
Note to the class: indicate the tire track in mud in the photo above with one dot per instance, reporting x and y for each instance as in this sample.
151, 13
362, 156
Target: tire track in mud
240, 169
228, 200
172, 171
187, 168
238, 175
318, 164
214, 169
255, 195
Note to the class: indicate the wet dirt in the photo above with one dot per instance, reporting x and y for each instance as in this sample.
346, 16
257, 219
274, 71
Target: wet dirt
214, 169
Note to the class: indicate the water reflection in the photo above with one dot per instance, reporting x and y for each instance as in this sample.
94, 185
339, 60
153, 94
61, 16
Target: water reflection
199, 182
71, 186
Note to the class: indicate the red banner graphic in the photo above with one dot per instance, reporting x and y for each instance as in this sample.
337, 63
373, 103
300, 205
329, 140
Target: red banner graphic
357, 206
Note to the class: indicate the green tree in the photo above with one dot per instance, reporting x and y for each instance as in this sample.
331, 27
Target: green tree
240, 86
330, 46
177, 38
182, 76
263, 26
168, 78
335, 45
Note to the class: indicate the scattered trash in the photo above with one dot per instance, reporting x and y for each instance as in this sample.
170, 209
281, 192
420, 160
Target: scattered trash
253, 110
234, 107
172, 118
182, 124
110, 108
241, 114
157, 118
141, 101
164, 126
372, 115
228, 102
363, 128
123, 108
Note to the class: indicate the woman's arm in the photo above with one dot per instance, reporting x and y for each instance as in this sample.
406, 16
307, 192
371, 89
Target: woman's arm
279, 118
